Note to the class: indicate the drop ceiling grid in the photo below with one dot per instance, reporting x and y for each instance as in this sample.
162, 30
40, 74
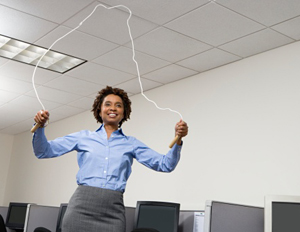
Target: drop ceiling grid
233, 26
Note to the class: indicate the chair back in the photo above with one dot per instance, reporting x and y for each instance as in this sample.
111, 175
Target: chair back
41, 229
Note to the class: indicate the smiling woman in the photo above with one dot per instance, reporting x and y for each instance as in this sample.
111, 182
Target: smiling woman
105, 157
112, 111
112, 107
120, 98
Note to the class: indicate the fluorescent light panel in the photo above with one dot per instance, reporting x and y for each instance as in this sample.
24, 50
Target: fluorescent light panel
30, 54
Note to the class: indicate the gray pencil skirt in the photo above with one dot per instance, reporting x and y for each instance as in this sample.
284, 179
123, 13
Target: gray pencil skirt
93, 209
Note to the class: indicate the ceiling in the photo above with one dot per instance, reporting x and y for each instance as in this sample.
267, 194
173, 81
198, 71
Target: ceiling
173, 39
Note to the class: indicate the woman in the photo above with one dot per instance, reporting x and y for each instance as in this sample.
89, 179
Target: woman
104, 157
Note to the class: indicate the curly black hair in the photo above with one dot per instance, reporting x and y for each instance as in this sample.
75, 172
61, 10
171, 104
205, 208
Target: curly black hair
96, 109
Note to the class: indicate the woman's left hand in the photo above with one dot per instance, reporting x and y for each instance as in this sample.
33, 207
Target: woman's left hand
181, 129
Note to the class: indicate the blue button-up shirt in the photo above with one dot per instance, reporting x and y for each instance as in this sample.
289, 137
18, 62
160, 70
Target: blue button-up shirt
105, 163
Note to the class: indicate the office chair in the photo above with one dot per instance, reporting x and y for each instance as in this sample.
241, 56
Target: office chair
2, 225
41, 229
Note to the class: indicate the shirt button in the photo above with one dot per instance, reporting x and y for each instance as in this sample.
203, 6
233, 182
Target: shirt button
106, 158
104, 171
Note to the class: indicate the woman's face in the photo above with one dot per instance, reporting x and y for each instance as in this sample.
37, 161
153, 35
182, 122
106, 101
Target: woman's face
112, 110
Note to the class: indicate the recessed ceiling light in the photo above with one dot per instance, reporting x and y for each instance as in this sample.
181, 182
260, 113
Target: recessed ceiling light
30, 54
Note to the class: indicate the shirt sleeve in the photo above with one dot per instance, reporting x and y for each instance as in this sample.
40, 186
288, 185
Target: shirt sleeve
48, 149
155, 160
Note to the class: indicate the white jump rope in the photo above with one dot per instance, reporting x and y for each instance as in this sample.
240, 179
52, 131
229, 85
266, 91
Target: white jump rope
133, 58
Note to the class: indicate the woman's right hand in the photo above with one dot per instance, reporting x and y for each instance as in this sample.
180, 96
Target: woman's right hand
41, 117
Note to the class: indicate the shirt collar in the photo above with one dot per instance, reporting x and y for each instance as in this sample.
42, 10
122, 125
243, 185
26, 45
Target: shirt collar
119, 131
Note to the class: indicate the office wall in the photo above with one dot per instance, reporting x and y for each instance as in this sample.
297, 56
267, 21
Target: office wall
243, 141
6, 143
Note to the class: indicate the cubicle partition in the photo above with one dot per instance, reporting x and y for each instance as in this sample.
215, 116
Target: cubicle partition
129, 213
41, 216
229, 217
188, 219
3, 212
46, 216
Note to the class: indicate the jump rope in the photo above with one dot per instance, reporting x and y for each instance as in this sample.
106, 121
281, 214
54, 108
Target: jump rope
133, 58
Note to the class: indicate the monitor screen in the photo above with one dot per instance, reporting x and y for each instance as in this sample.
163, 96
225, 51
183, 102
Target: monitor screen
282, 213
162, 216
16, 215
61, 213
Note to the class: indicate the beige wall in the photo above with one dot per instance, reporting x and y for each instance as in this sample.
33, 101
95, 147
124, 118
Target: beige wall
243, 142
6, 143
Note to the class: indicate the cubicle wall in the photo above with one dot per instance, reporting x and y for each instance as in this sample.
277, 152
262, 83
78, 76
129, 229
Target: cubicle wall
229, 217
187, 220
218, 217
41, 216
3, 212
129, 213
46, 216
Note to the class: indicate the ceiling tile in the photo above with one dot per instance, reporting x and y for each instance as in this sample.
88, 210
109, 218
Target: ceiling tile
54, 95
56, 117
54, 10
208, 60
99, 74
158, 11
267, 12
76, 44
14, 85
33, 103
133, 86
121, 59
214, 25
85, 103
17, 25
173, 39
19, 127
6, 96
170, 73
3, 61
93, 95
290, 28
13, 69
66, 111
255, 43
74, 85
169, 45
109, 24
10, 114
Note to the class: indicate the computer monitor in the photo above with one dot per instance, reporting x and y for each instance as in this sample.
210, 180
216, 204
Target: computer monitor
16, 215
162, 216
282, 213
229, 217
61, 214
